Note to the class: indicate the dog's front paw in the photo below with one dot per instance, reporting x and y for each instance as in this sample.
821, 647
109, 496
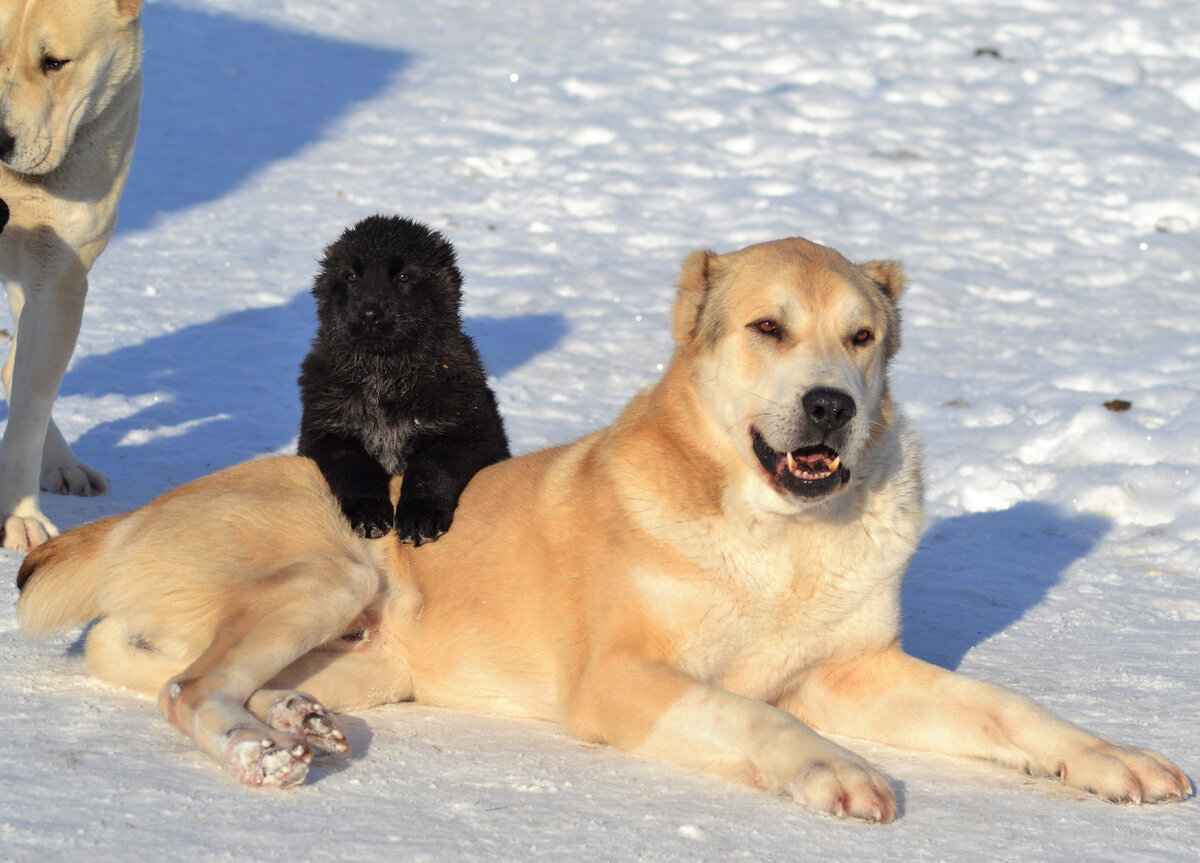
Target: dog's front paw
370, 517
421, 521
25, 533
1122, 774
843, 788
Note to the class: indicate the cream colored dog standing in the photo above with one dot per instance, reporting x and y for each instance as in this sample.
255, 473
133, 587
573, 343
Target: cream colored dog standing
68, 119
712, 581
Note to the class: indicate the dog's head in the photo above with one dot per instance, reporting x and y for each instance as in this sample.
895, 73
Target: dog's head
384, 283
790, 343
62, 62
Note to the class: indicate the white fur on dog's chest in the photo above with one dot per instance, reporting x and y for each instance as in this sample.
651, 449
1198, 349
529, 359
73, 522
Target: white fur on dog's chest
775, 602
760, 632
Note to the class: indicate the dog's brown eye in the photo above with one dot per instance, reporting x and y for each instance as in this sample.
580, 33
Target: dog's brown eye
767, 327
403, 277
352, 277
53, 64
864, 337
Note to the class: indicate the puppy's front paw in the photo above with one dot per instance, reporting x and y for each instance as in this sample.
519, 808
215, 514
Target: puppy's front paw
421, 521
370, 517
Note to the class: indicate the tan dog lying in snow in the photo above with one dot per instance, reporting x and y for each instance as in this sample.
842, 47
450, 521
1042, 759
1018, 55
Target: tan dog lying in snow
712, 581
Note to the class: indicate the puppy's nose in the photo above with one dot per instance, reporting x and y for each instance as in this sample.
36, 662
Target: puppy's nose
7, 144
829, 409
370, 315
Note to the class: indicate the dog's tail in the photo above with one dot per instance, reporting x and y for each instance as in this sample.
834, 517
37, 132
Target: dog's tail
59, 580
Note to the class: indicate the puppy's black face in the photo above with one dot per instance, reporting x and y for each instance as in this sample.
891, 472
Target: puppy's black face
386, 283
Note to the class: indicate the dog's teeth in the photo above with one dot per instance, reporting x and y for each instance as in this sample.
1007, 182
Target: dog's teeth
791, 463
835, 464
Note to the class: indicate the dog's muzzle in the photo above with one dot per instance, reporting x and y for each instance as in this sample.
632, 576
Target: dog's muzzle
808, 471
814, 468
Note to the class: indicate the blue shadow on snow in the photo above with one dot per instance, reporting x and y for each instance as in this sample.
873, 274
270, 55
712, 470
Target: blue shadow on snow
976, 574
225, 97
226, 389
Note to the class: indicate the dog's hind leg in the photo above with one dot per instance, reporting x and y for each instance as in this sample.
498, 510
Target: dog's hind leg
282, 618
129, 659
362, 674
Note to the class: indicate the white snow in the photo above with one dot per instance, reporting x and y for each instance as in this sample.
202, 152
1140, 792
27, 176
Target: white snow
1035, 164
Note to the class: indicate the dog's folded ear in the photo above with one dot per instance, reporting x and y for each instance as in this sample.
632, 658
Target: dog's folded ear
889, 275
129, 9
695, 279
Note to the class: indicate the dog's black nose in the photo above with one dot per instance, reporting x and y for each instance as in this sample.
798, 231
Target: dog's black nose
829, 409
7, 144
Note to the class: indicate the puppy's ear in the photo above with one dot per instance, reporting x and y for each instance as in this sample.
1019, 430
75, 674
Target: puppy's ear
889, 275
695, 280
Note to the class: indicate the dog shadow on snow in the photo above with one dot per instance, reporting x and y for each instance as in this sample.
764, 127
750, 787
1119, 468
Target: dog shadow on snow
225, 97
224, 391
976, 574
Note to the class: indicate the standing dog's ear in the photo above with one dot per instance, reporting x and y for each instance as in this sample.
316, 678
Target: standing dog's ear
695, 279
889, 275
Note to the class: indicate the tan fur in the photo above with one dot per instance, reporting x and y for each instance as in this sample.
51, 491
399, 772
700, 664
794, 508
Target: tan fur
651, 586
69, 102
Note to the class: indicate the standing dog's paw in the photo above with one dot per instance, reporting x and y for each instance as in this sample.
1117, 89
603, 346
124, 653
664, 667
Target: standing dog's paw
25, 533
370, 517
73, 477
421, 521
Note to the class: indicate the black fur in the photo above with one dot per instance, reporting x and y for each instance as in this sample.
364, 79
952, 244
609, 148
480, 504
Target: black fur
392, 385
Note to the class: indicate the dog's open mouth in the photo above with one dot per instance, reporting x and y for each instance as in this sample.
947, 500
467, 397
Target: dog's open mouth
808, 471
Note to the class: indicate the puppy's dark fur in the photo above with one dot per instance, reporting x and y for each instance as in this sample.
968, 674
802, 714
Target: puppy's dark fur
392, 385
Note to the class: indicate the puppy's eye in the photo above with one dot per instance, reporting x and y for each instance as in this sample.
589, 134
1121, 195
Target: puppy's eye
863, 337
351, 276
53, 64
402, 277
768, 327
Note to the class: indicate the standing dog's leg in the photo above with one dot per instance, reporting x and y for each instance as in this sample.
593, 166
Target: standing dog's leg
893, 698
47, 314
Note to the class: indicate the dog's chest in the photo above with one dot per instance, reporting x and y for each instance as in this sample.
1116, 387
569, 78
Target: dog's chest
390, 425
771, 611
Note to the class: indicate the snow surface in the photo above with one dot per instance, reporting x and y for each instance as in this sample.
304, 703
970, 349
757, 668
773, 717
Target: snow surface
1035, 163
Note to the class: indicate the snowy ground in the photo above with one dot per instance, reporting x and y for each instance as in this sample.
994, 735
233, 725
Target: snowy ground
1035, 163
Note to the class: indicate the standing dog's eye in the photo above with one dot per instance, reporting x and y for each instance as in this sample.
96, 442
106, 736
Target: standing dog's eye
863, 337
402, 277
767, 327
53, 64
351, 276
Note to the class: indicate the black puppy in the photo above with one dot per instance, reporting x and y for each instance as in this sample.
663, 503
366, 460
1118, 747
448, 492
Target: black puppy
392, 385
